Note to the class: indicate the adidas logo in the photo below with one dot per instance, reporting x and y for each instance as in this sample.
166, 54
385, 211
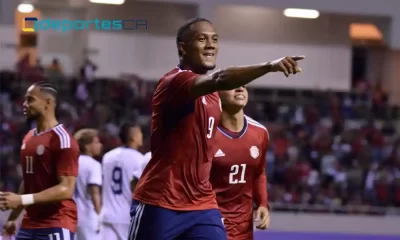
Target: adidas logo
219, 153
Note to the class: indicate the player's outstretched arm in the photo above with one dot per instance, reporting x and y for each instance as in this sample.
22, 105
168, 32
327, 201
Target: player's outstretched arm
234, 77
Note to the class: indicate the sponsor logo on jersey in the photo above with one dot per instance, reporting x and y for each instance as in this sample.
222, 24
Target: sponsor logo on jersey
40, 150
254, 152
219, 153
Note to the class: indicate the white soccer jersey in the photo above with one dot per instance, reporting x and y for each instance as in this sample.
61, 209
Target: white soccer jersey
120, 166
147, 158
89, 173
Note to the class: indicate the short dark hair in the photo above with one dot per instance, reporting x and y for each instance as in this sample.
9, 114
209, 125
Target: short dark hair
84, 137
47, 87
186, 27
124, 131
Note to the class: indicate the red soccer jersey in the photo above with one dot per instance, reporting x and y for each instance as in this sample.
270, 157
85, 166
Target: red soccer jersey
177, 176
44, 157
238, 176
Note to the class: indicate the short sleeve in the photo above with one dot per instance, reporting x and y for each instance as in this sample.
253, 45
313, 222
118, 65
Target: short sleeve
67, 159
179, 85
141, 160
66, 154
95, 175
137, 173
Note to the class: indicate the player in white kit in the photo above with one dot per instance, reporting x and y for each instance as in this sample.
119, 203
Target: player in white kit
147, 157
87, 193
122, 167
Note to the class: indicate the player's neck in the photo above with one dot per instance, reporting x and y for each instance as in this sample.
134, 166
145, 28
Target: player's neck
233, 121
185, 66
45, 123
132, 146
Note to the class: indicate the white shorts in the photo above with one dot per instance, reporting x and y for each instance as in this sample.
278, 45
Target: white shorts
115, 231
87, 233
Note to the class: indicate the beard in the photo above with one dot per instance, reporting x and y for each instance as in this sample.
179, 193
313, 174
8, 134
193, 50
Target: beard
30, 118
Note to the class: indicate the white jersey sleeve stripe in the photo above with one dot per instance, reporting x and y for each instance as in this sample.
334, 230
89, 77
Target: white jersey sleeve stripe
257, 124
65, 139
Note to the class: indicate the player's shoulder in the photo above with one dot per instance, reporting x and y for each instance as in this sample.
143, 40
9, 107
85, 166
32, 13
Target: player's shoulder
178, 74
147, 156
135, 155
253, 125
110, 154
62, 138
88, 160
28, 135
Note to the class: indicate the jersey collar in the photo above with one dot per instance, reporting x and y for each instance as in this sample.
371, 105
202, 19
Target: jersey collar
231, 135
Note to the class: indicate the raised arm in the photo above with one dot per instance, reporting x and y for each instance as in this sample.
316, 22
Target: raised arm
233, 77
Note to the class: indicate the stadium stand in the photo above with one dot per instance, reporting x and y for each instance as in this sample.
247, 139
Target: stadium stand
330, 149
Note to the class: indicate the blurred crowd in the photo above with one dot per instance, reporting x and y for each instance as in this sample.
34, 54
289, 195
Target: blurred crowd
328, 148
333, 149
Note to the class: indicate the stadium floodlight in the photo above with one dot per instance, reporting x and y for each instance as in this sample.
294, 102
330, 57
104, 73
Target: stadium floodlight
25, 8
114, 2
301, 13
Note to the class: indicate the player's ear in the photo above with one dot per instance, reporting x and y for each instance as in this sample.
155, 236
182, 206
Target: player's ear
181, 48
48, 101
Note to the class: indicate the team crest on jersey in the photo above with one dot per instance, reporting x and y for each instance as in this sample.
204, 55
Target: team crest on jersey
254, 152
40, 150
23, 146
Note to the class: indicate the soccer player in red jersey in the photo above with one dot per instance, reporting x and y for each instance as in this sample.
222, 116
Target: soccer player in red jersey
238, 171
174, 198
49, 159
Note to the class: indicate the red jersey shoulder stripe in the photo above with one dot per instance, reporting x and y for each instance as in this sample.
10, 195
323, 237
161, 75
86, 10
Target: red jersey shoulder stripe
257, 124
64, 137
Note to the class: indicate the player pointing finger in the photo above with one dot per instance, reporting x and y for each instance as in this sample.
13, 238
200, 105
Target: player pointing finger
287, 65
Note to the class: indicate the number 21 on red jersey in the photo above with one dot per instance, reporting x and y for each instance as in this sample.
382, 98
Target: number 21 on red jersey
237, 174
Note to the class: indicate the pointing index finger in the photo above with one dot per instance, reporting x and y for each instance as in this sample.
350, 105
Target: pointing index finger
297, 58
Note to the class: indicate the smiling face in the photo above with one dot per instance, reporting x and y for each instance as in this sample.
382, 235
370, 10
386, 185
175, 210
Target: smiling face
200, 47
233, 100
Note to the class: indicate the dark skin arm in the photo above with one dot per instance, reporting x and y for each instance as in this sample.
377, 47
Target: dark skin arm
234, 77
134, 183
